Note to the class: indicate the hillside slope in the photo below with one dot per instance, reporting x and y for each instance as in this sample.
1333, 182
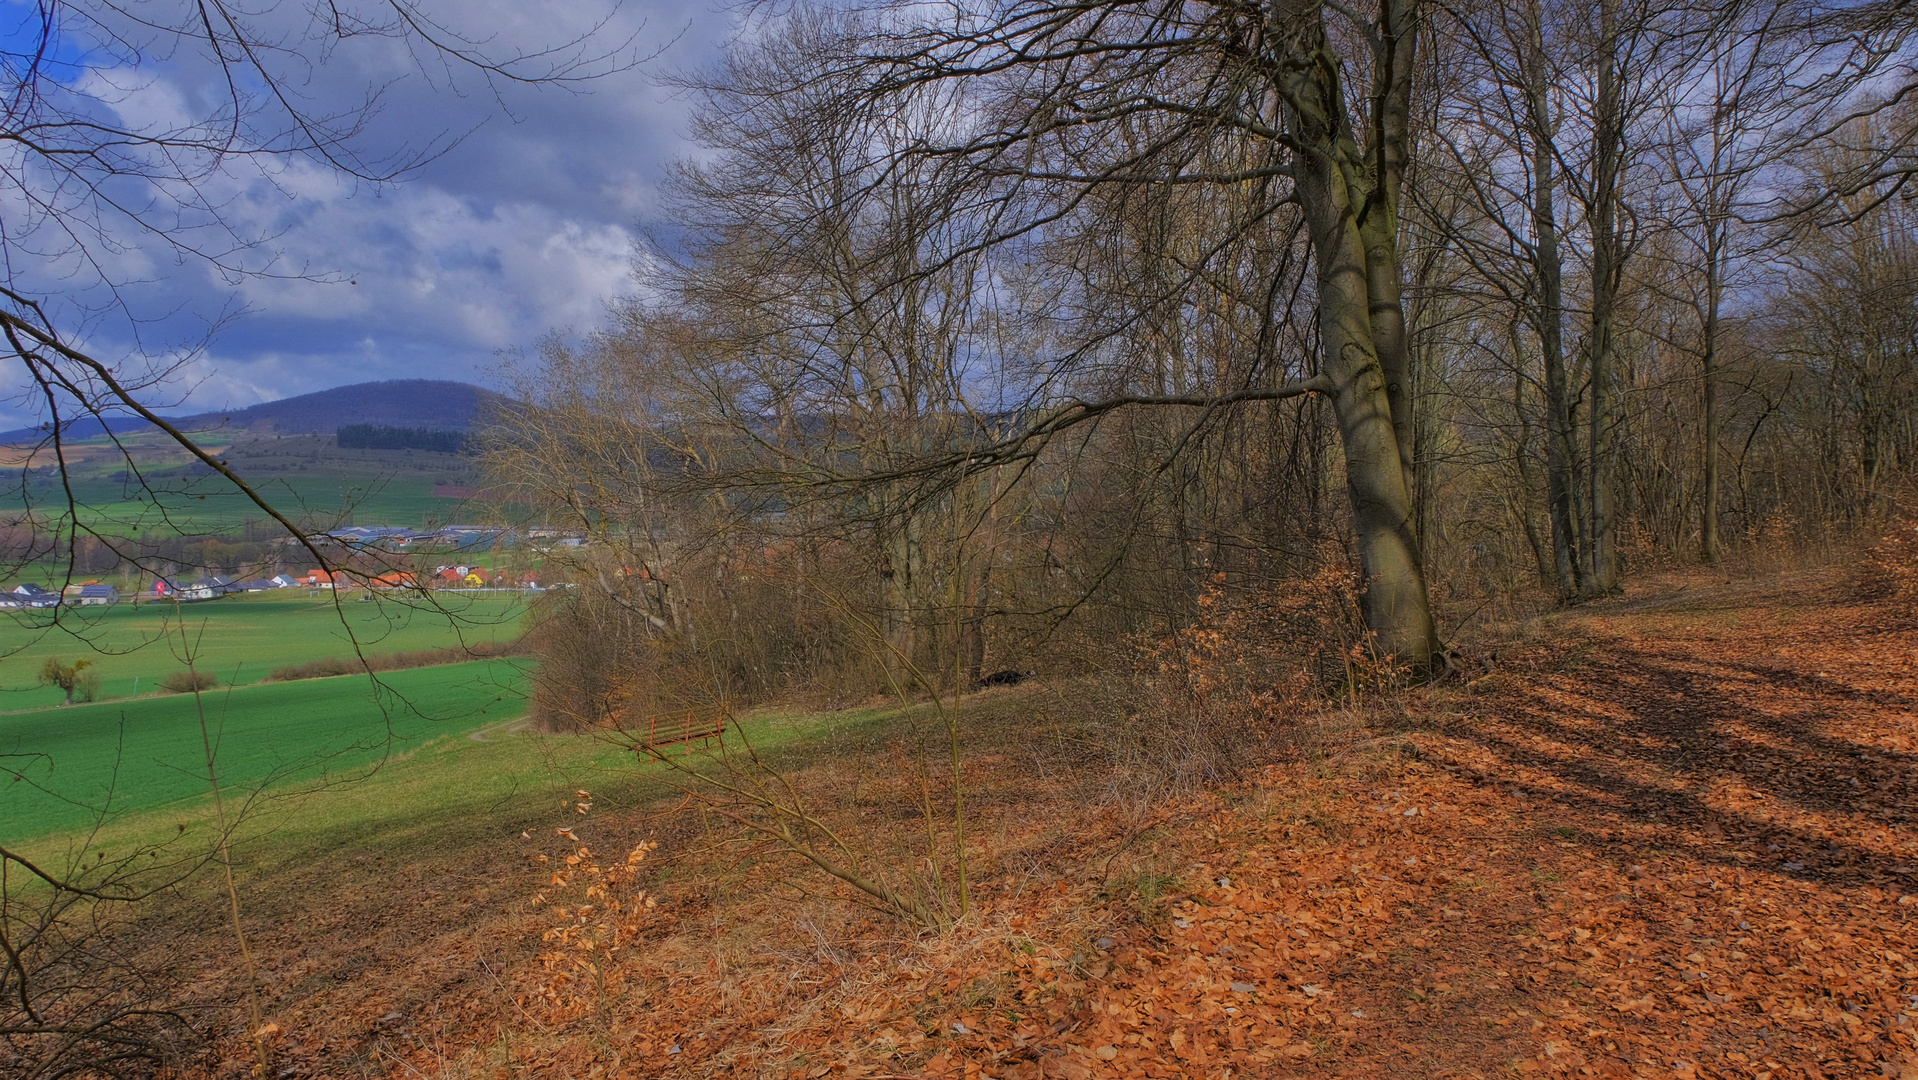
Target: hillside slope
1671, 836
419, 403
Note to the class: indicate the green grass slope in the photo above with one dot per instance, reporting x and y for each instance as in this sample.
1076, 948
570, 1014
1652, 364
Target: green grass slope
60, 768
239, 639
306, 477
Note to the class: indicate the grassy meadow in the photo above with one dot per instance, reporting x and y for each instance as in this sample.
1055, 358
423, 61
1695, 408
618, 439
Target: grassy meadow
324, 764
139, 749
147, 754
239, 639
337, 754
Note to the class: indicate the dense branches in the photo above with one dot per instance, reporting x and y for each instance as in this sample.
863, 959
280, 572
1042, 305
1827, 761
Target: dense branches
964, 307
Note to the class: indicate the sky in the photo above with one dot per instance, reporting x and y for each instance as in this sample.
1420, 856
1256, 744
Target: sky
523, 226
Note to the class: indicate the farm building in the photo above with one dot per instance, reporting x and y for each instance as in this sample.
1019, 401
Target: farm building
208, 588
33, 596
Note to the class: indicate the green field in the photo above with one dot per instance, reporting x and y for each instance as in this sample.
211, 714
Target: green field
458, 770
306, 477
146, 754
240, 639
135, 755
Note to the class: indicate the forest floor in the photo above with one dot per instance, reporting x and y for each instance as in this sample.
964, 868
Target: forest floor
1670, 834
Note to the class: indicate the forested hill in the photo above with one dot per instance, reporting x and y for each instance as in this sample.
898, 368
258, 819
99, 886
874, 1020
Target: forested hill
417, 403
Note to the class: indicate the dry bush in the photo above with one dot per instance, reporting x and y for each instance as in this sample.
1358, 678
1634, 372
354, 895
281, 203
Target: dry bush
581, 639
78, 997
1890, 567
598, 916
1203, 703
747, 957
741, 627
187, 681
400, 661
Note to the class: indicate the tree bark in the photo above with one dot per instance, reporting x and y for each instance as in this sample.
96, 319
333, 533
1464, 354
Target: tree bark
1601, 568
1334, 196
1522, 458
1561, 478
1717, 226
1378, 221
1708, 524
899, 584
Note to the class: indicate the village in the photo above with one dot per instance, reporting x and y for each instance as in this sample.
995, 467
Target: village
369, 558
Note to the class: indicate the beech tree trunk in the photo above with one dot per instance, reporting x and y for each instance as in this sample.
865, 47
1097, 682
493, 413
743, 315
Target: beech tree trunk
1349, 197
1561, 480
1709, 548
1601, 568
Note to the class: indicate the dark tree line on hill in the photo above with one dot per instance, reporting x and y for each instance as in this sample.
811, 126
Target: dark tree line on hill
1469, 297
382, 437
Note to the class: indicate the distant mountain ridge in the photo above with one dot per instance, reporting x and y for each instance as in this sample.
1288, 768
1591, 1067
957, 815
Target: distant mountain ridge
414, 403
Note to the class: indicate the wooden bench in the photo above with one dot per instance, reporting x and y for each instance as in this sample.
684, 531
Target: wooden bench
686, 725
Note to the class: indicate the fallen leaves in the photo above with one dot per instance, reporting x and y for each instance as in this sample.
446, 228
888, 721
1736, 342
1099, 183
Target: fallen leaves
1666, 840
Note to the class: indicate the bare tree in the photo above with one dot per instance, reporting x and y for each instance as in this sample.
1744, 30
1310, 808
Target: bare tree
1730, 115
1055, 104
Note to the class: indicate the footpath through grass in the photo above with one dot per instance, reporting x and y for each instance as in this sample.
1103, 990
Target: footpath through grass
238, 639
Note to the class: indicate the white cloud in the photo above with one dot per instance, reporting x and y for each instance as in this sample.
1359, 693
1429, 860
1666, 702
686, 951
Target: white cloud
419, 260
524, 227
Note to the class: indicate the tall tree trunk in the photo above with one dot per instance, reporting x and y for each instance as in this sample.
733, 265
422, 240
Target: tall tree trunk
1708, 524
1378, 232
974, 644
1379, 226
1601, 569
1397, 607
1522, 458
1349, 199
898, 574
1561, 479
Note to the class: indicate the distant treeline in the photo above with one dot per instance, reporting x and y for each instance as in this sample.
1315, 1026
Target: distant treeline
381, 437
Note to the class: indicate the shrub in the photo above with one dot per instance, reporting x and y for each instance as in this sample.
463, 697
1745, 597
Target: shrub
1891, 566
78, 683
587, 942
186, 681
1252, 664
352, 665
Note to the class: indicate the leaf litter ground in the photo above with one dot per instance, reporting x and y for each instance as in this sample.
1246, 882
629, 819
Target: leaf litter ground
1665, 836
